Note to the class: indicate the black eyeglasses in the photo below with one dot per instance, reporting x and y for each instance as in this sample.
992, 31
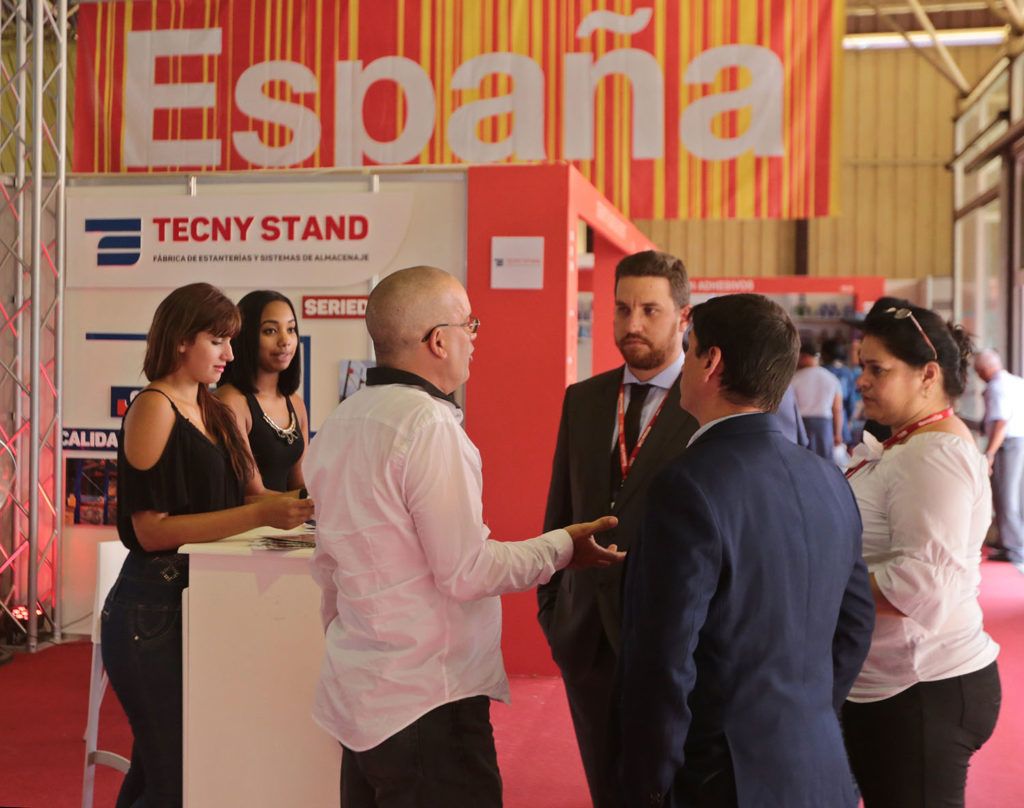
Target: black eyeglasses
907, 314
472, 325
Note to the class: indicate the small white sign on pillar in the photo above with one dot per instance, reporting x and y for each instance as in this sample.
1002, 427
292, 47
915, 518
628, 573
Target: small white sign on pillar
517, 262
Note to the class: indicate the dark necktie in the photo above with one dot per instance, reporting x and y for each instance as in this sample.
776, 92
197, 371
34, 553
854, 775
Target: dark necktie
637, 396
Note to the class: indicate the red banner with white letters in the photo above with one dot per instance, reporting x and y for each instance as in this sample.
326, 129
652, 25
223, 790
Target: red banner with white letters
690, 109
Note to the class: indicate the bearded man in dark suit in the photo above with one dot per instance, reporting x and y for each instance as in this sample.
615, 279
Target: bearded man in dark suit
617, 430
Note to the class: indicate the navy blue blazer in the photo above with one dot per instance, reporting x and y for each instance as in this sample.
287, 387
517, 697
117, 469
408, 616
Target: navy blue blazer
747, 616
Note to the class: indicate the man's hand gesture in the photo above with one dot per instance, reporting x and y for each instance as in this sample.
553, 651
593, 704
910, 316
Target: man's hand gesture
586, 551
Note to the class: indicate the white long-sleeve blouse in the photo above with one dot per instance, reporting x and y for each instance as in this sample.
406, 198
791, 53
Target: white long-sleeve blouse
926, 505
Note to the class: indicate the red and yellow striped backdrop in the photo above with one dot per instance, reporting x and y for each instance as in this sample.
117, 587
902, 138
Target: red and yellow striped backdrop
799, 180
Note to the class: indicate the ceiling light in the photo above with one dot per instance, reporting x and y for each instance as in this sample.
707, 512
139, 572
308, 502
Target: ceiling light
952, 38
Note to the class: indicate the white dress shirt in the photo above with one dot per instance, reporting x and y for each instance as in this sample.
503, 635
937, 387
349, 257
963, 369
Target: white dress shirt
816, 389
409, 577
926, 505
1004, 401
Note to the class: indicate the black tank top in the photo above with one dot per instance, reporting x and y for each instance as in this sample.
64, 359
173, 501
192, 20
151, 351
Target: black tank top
275, 450
193, 475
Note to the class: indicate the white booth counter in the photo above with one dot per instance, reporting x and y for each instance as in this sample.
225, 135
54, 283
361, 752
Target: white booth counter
252, 650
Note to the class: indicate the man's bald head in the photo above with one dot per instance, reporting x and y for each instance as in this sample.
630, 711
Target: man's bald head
406, 304
987, 364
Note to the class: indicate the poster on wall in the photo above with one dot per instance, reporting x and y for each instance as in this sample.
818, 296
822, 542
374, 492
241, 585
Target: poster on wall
517, 262
685, 109
820, 306
800, 295
90, 487
138, 240
352, 376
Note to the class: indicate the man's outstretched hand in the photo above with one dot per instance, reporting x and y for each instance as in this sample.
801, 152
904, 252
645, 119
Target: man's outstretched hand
586, 551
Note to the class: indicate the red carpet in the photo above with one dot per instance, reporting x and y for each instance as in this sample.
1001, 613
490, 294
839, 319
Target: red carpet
43, 701
996, 778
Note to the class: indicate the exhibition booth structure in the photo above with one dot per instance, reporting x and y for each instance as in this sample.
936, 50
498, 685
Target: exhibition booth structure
515, 235
321, 240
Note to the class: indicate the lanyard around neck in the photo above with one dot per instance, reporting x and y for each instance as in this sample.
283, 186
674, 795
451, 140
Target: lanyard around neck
904, 433
626, 463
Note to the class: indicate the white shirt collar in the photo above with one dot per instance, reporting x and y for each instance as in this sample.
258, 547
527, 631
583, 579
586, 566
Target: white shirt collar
665, 379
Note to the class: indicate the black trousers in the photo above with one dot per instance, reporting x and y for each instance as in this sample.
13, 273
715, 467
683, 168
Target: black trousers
141, 645
913, 750
591, 700
446, 759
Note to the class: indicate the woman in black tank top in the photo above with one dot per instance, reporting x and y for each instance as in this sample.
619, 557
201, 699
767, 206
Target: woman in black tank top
182, 467
260, 388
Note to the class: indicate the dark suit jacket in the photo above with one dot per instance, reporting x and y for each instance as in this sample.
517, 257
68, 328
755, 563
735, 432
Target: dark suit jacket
577, 606
748, 615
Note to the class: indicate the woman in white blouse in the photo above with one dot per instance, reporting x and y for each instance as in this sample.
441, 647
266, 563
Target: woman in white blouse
928, 695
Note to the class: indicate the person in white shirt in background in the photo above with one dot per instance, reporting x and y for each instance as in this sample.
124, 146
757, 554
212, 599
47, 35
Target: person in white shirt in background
819, 397
409, 577
1004, 428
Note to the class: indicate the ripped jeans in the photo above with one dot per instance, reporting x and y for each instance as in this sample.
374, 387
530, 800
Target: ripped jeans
141, 644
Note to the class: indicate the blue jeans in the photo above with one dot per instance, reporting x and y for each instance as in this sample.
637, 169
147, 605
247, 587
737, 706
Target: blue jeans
820, 435
445, 759
141, 644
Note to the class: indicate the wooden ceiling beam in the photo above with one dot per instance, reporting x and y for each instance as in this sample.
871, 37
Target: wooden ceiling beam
1009, 13
944, 62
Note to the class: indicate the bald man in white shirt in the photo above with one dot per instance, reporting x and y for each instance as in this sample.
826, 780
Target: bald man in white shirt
409, 576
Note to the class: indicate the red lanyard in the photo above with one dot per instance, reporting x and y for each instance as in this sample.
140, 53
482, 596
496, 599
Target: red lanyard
904, 433
625, 464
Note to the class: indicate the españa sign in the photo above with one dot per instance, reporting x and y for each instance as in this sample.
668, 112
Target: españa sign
672, 108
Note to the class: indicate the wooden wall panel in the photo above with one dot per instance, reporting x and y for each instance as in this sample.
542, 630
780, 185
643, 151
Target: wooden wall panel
897, 209
717, 249
896, 195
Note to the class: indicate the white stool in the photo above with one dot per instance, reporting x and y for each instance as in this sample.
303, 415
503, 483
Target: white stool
110, 556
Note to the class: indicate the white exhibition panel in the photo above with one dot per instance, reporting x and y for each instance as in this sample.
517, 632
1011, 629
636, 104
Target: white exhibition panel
245, 240
105, 325
252, 652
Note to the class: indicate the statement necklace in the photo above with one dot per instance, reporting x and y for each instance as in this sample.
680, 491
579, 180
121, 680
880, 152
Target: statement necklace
290, 434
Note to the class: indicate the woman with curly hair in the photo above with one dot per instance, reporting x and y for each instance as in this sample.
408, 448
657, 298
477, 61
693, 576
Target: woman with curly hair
928, 695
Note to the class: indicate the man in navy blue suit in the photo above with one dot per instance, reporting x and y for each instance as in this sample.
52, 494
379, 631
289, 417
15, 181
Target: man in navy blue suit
747, 607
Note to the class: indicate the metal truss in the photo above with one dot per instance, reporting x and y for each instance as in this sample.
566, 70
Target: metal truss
1007, 11
33, 145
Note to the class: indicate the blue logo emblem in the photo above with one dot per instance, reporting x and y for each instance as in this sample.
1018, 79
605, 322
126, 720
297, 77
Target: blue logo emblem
122, 247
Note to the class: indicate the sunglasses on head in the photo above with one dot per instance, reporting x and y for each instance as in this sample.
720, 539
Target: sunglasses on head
906, 314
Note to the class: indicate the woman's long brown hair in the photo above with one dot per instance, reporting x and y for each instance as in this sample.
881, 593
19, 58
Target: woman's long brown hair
179, 318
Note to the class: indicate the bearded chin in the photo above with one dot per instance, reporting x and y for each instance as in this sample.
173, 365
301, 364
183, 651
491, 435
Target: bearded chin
646, 358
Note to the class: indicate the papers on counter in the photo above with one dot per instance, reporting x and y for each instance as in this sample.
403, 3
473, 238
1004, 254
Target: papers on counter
293, 541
